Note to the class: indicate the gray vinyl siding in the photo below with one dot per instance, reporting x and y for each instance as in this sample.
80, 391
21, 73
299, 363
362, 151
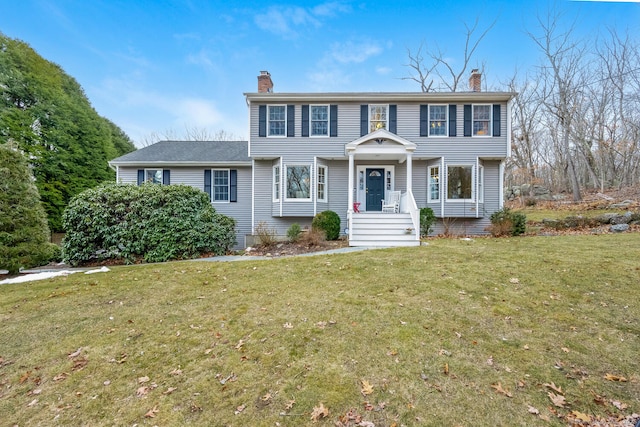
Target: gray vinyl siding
194, 177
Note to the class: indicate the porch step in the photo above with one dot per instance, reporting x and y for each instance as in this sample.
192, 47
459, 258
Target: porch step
382, 229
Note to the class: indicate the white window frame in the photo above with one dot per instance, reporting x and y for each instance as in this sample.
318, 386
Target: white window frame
325, 173
473, 121
286, 183
480, 184
213, 185
471, 185
373, 128
430, 170
277, 177
146, 176
311, 121
446, 120
284, 131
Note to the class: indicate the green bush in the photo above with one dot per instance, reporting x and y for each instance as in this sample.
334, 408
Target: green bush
427, 219
293, 233
151, 222
24, 233
506, 222
329, 222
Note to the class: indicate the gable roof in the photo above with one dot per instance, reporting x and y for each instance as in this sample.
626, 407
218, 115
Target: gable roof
188, 153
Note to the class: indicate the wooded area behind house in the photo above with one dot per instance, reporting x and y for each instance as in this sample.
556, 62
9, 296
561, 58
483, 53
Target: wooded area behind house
46, 114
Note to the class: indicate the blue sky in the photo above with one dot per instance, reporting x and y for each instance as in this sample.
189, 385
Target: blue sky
153, 66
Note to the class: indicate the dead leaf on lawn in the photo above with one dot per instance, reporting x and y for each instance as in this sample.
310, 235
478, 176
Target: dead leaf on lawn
123, 358
239, 345
611, 377
79, 364
143, 380
61, 376
490, 361
500, 390
75, 353
557, 399
239, 409
287, 325
533, 410
446, 369
367, 388
554, 387
266, 398
565, 349
319, 412
621, 406
289, 405
33, 402
581, 416
514, 280
169, 391
25, 377
151, 413
176, 372
142, 391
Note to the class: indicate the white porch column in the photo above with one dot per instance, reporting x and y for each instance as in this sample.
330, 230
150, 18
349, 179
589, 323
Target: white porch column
410, 172
351, 176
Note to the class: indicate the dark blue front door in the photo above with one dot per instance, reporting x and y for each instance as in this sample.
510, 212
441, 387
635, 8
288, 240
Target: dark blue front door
375, 189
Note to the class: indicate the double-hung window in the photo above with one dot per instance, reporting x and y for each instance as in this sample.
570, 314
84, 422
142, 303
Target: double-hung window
153, 176
438, 120
482, 120
298, 185
460, 182
322, 184
220, 185
319, 120
277, 123
377, 117
434, 183
276, 183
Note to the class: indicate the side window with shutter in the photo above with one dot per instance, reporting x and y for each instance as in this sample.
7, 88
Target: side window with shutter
364, 120
262, 120
207, 182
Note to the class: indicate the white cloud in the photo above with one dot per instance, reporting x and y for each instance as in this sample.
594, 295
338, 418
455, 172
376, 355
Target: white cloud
196, 112
351, 52
383, 71
331, 9
286, 21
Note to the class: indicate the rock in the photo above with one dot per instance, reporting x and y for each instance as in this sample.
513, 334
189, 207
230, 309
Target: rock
619, 228
621, 205
606, 217
621, 219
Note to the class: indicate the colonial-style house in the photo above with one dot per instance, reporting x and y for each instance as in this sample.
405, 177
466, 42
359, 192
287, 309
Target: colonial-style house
374, 158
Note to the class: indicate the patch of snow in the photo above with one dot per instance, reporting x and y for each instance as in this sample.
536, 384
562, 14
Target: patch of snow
36, 276
101, 270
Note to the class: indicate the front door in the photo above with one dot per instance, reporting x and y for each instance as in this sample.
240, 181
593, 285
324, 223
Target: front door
375, 189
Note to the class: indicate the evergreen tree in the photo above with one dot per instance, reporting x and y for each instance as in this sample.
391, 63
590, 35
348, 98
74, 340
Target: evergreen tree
24, 234
46, 112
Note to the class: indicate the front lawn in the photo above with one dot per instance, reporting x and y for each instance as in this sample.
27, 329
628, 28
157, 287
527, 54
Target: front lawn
483, 332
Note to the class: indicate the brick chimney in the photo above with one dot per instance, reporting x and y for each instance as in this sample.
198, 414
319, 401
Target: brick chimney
265, 84
475, 80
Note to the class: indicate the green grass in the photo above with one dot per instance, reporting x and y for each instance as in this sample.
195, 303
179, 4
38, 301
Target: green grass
521, 312
537, 214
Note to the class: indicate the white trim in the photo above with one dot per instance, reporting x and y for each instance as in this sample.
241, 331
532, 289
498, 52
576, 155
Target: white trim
228, 186
280, 202
490, 132
501, 185
461, 165
153, 169
313, 185
475, 187
253, 196
481, 183
361, 194
325, 199
283, 135
286, 186
443, 183
509, 103
311, 135
446, 120
275, 187
429, 199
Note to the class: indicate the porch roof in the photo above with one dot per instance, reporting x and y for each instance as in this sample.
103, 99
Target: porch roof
380, 145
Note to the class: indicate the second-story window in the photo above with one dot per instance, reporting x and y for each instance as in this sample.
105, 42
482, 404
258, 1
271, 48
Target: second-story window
437, 120
277, 120
319, 120
481, 120
377, 117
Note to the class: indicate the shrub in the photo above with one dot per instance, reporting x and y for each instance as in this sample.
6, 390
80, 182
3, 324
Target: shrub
313, 237
153, 222
427, 219
266, 235
24, 232
505, 222
293, 233
329, 222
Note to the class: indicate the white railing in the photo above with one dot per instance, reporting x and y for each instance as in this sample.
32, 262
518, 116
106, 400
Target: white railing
408, 205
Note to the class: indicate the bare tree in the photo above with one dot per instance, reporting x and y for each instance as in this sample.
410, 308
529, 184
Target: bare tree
192, 133
442, 67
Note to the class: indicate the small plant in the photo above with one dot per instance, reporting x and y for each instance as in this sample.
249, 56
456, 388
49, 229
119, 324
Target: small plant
266, 235
313, 237
447, 224
427, 219
505, 222
293, 233
329, 222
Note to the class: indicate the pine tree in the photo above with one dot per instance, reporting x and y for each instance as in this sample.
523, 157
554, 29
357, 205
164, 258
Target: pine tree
24, 233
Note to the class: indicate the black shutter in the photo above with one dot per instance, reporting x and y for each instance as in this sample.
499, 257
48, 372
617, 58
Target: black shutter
166, 177
291, 122
140, 176
333, 120
496, 119
262, 121
424, 120
453, 109
467, 120
393, 118
207, 182
305, 120
364, 120
233, 185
